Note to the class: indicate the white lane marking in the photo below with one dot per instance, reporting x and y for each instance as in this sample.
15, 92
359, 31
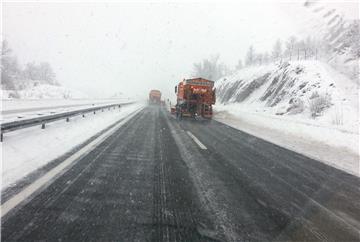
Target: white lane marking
197, 141
47, 178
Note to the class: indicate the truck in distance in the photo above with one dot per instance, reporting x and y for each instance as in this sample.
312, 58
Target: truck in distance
155, 97
195, 97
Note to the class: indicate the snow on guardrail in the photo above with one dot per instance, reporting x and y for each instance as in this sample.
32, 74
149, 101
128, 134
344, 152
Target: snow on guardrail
21, 124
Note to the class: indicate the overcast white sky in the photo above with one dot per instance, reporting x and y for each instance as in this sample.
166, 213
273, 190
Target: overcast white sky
103, 48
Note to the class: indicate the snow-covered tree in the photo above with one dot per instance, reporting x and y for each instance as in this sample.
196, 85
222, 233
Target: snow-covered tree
46, 73
210, 68
259, 59
303, 49
298, 48
289, 47
9, 66
266, 58
239, 65
14, 77
5, 49
277, 51
31, 71
250, 56
41, 72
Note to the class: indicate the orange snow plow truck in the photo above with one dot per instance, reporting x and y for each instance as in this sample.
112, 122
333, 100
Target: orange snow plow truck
155, 97
195, 97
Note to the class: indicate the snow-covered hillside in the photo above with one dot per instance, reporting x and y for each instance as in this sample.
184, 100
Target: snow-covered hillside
307, 107
43, 91
309, 90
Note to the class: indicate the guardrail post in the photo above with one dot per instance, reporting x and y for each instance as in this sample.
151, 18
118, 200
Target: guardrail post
83, 115
94, 112
43, 126
67, 119
1, 137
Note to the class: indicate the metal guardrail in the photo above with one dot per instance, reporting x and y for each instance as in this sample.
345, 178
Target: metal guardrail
21, 124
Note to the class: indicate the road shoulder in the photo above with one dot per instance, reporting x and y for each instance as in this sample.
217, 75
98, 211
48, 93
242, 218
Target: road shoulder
299, 139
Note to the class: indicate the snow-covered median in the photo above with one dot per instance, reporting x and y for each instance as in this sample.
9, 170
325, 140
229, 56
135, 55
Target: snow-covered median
26, 150
332, 145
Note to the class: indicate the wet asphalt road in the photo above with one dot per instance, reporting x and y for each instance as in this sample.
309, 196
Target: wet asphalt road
150, 181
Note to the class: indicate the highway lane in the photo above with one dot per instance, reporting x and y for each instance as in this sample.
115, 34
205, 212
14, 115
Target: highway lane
131, 187
285, 196
161, 179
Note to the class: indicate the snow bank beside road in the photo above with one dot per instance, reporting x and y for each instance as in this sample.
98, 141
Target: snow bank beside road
305, 106
331, 145
26, 150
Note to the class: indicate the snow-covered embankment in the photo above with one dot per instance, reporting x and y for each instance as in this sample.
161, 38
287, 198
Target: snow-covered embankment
307, 107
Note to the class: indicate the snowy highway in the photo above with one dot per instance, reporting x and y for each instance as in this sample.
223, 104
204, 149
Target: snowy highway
162, 179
